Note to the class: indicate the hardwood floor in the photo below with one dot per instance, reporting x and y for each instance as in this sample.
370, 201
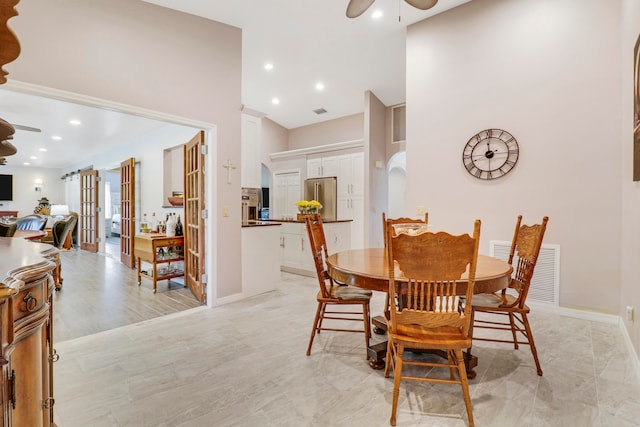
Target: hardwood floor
99, 293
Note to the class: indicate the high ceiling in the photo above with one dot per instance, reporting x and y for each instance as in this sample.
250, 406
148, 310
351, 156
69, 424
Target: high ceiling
310, 41
307, 41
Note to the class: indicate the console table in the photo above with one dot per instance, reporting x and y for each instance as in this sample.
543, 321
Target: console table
158, 250
26, 337
9, 213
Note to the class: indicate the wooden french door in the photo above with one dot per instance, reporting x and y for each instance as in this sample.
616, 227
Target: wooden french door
127, 211
89, 210
193, 221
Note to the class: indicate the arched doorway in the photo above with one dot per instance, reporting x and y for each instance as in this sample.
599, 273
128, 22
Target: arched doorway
397, 185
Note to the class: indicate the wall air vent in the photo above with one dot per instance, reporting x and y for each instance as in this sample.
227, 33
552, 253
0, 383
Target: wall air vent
320, 111
545, 284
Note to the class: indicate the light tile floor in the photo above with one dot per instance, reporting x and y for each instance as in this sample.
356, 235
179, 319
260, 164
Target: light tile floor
244, 364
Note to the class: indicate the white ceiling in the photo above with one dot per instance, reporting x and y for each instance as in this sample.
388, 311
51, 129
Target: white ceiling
307, 41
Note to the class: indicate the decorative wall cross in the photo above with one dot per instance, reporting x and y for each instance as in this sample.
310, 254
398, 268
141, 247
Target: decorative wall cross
228, 166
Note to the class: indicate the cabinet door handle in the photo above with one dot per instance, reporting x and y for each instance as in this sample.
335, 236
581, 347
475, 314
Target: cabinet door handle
54, 356
302, 244
12, 389
48, 403
31, 302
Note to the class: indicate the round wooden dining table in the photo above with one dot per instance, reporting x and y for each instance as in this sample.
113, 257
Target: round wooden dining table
368, 269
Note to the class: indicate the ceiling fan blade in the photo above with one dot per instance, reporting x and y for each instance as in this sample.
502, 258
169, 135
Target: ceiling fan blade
422, 4
7, 149
358, 7
27, 128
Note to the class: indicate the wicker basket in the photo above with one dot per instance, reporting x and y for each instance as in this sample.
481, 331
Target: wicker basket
302, 216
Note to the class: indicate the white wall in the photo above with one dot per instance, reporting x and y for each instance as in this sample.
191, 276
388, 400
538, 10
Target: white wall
25, 197
549, 72
273, 140
147, 149
630, 252
348, 128
146, 56
376, 186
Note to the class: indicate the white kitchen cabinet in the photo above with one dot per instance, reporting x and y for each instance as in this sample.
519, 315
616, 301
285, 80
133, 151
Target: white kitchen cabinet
338, 236
295, 250
286, 192
250, 168
351, 195
260, 272
322, 166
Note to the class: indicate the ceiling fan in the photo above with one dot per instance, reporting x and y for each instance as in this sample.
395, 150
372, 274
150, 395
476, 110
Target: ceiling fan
26, 128
358, 7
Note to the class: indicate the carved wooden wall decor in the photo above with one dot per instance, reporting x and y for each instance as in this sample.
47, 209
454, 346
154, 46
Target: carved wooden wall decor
9, 44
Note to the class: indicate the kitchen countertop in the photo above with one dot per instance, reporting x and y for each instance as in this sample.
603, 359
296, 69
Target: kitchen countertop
262, 223
299, 221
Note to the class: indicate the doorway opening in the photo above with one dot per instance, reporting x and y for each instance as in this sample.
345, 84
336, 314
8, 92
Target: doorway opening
397, 182
112, 216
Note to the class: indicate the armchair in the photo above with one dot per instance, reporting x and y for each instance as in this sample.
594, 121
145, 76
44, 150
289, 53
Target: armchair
31, 222
61, 229
7, 230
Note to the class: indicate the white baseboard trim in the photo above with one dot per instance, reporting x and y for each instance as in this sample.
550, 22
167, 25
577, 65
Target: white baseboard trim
575, 312
227, 300
630, 348
596, 317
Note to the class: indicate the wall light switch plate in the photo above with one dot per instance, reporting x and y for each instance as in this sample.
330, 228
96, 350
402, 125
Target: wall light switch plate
421, 210
630, 312
225, 211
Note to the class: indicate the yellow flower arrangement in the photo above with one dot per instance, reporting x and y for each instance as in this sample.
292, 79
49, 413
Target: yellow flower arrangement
308, 206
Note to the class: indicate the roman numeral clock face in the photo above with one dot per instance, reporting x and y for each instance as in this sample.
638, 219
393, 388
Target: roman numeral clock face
490, 154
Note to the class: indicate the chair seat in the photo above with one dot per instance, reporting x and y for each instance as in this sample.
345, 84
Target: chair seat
496, 301
347, 293
416, 336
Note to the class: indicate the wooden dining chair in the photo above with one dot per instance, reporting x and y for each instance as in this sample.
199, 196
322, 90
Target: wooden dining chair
333, 295
380, 322
525, 244
392, 221
425, 309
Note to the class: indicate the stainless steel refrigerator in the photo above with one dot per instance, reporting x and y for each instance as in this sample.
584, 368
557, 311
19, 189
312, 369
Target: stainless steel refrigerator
325, 191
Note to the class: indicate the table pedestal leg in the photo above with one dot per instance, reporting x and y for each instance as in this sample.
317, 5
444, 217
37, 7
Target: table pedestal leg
379, 325
470, 361
377, 353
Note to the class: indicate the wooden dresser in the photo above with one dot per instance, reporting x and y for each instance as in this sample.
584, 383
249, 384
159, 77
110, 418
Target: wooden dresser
26, 332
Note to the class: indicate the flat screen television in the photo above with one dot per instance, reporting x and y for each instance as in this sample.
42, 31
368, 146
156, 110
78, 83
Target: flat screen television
6, 187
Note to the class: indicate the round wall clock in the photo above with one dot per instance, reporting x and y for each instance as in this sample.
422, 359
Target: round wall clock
490, 154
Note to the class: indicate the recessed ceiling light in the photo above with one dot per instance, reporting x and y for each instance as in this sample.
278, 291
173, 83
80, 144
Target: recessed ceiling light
75, 122
377, 14
33, 157
319, 86
275, 101
42, 149
56, 137
268, 66
26, 163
